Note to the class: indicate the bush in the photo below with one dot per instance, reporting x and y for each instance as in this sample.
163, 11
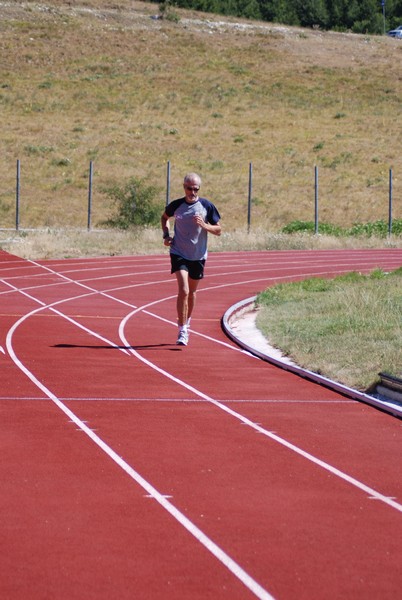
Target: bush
136, 204
375, 229
167, 11
309, 227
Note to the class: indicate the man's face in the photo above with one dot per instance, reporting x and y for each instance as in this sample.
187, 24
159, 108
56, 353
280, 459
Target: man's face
191, 189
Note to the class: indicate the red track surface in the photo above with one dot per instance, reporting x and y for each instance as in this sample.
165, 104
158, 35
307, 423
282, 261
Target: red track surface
133, 468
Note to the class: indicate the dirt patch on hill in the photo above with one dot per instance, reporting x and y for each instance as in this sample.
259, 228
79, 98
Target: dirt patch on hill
333, 49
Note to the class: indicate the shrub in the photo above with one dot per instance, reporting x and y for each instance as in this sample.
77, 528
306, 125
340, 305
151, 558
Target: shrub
135, 203
309, 227
167, 11
374, 229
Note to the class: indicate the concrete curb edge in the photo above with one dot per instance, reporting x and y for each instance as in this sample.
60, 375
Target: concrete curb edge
247, 305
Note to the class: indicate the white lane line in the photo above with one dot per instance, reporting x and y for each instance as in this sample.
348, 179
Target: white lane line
264, 280
329, 271
265, 262
213, 548
177, 400
197, 533
231, 565
44, 306
203, 335
130, 350
22, 398
355, 482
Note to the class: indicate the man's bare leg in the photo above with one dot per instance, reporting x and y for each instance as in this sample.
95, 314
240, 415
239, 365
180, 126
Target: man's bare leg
193, 285
187, 289
182, 296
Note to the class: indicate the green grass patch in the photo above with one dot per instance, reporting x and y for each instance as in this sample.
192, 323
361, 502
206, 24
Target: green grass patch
378, 228
347, 328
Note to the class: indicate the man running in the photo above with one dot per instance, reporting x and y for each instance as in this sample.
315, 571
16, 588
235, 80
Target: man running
194, 218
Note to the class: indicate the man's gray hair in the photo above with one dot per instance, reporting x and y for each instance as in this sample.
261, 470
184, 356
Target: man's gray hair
192, 177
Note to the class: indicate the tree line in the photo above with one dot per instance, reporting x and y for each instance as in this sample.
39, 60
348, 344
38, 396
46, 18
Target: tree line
358, 16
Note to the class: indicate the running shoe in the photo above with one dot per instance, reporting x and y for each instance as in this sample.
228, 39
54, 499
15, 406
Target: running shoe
182, 340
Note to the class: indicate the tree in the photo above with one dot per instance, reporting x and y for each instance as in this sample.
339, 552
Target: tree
369, 19
249, 9
393, 13
360, 16
279, 11
312, 12
342, 13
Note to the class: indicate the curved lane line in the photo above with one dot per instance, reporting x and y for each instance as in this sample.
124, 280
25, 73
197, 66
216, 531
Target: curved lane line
239, 307
372, 493
184, 521
63, 315
211, 546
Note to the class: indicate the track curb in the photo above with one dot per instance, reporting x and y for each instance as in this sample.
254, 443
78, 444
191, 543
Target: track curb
238, 310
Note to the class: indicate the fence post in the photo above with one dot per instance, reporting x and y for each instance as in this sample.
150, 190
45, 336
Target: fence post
90, 194
17, 197
250, 188
390, 204
168, 182
316, 200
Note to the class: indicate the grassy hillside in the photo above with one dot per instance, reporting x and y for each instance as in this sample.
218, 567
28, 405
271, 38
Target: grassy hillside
103, 81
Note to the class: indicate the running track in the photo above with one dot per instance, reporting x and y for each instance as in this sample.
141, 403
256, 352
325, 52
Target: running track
135, 469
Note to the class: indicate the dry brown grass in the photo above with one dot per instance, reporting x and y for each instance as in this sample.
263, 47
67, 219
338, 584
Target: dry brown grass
102, 81
67, 243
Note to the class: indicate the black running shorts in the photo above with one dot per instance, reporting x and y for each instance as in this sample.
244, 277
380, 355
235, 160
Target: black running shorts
195, 268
